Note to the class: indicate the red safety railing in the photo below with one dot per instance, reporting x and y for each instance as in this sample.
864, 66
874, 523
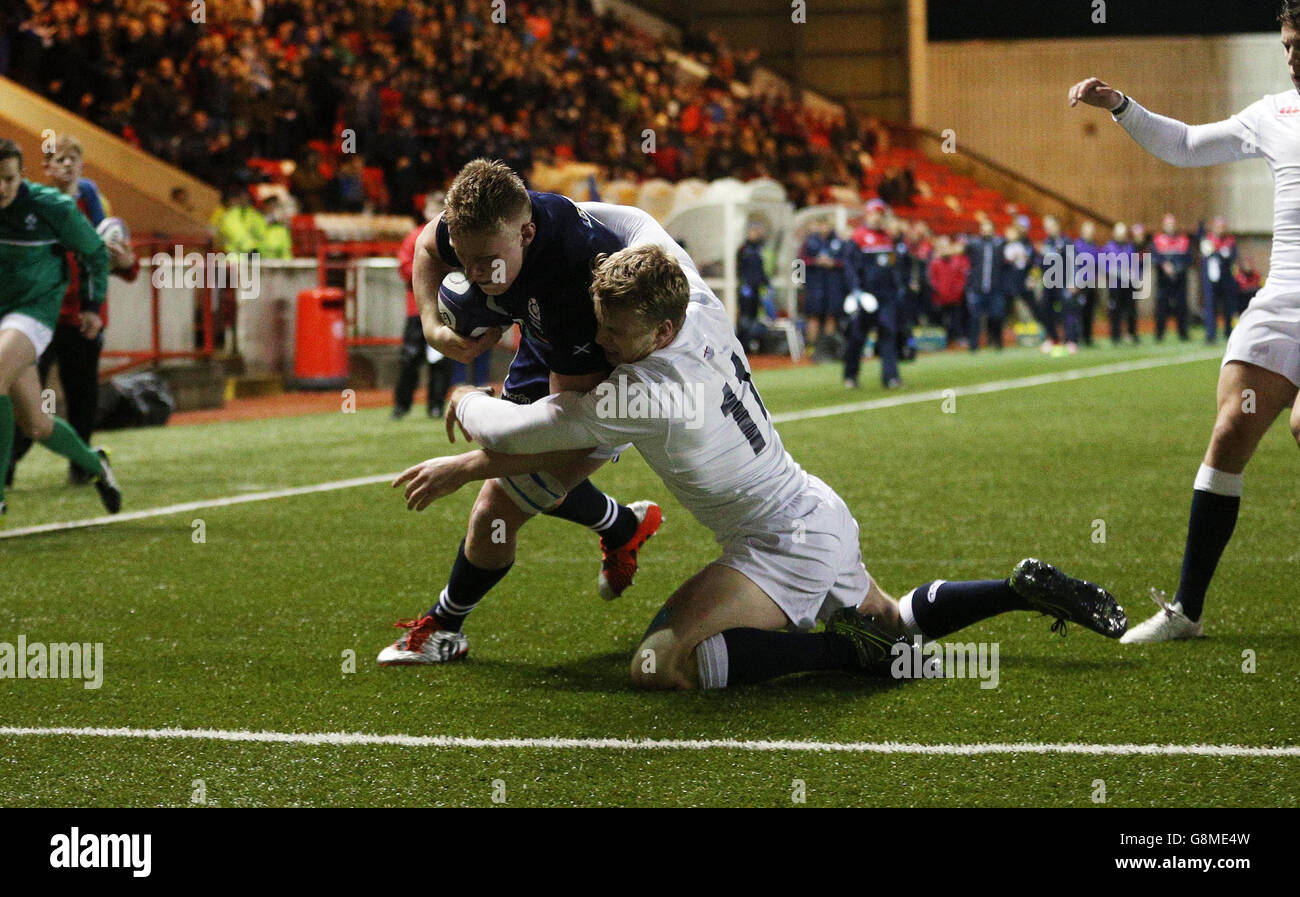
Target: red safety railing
127, 359
334, 264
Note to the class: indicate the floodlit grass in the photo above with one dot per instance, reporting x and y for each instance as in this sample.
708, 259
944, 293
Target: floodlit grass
250, 629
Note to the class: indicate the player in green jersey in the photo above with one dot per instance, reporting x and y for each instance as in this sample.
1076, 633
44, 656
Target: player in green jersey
37, 226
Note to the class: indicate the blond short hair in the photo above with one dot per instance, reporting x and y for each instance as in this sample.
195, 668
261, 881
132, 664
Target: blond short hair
64, 144
484, 196
645, 280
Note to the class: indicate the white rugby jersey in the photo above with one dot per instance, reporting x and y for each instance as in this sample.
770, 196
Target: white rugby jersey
1268, 129
637, 227
691, 410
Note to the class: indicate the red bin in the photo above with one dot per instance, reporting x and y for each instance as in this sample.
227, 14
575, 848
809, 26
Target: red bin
321, 352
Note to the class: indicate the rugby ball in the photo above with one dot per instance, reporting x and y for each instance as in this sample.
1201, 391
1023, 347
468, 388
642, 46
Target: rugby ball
113, 230
466, 309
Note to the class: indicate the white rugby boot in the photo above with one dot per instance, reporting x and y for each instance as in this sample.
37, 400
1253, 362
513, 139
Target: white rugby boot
1169, 625
424, 642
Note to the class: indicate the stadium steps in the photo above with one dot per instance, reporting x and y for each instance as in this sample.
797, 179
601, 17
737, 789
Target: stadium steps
138, 185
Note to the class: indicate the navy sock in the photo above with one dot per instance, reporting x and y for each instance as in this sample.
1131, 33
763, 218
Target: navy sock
1212, 520
466, 587
588, 506
756, 655
941, 608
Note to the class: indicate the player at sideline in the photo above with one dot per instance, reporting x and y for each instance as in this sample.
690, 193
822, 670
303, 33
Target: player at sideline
37, 225
1263, 354
790, 552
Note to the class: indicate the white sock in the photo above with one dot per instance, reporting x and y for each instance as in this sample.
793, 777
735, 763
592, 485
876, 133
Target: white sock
908, 619
1219, 483
711, 661
611, 514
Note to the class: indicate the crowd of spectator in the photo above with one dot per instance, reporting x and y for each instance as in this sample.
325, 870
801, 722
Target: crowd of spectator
422, 87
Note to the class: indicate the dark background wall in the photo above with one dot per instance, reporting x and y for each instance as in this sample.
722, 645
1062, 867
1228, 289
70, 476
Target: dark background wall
1002, 19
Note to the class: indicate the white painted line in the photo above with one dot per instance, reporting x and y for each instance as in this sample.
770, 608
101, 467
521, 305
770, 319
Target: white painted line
198, 505
937, 395
650, 744
829, 411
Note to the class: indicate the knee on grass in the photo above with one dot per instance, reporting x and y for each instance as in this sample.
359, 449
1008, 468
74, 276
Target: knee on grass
660, 662
1295, 424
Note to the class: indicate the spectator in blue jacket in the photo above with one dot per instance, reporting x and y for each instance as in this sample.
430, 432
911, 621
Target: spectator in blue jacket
829, 263
1219, 290
1172, 255
753, 284
1056, 283
1018, 256
880, 293
985, 298
1086, 292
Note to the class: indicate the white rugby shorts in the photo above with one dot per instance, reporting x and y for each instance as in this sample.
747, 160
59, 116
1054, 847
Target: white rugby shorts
1268, 334
807, 558
34, 330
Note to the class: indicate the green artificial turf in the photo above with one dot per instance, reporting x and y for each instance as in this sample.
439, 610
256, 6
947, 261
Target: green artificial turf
250, 629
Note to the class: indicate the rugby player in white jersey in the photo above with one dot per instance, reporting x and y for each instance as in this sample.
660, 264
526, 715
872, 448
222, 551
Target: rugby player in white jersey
681, 393
1263, 354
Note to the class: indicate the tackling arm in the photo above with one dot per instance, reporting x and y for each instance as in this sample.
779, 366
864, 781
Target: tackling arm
436, 478
547, 426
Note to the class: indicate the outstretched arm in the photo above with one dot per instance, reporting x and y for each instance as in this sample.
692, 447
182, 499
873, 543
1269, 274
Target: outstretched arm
560, 422
436, 478
1176, 142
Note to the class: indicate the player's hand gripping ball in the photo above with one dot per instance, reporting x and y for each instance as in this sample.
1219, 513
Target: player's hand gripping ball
464, 308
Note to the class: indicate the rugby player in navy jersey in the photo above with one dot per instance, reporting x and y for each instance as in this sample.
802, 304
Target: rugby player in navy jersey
532, 255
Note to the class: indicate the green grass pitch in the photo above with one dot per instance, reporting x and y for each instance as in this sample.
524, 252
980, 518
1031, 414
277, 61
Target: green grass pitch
248, 630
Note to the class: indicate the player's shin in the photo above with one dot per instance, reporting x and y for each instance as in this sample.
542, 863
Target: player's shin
749, 656
65, 441
466, 586
588, 506
1216, 501
940, 608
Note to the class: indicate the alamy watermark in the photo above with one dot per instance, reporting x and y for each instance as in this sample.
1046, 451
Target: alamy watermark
55, 660
625, 399
1112, 270
241, 271
77, 851
946, 660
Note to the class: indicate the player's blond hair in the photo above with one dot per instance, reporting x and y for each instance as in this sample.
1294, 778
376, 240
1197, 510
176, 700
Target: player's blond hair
485, 195
643, 279
64, 144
